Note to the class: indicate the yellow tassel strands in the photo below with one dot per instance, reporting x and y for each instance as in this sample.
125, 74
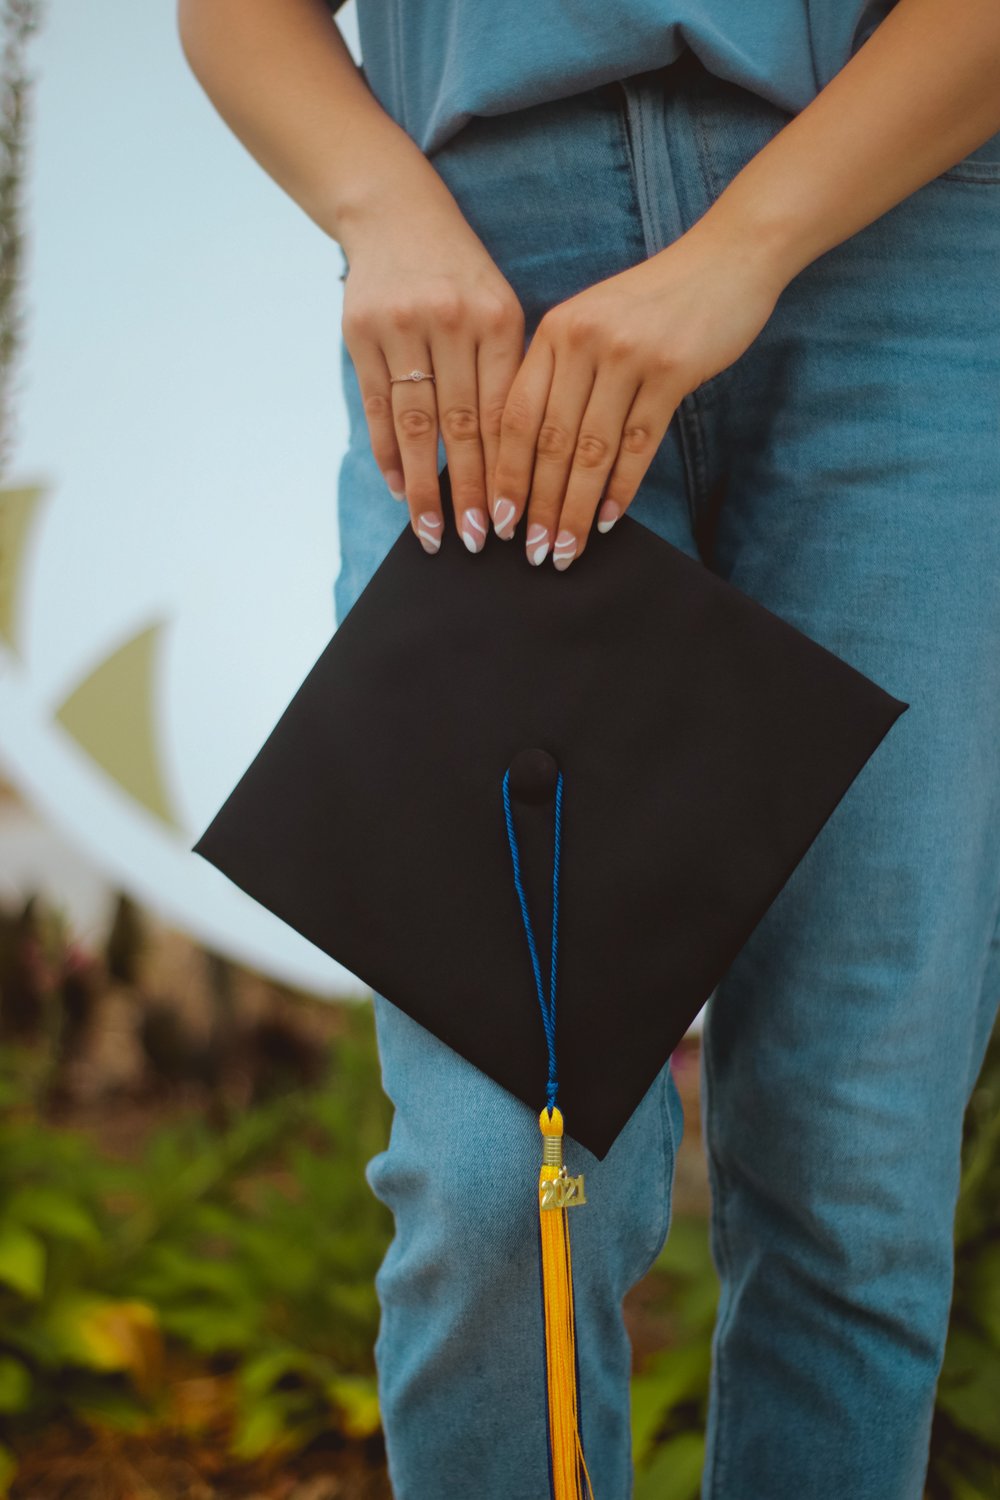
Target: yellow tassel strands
557, 1192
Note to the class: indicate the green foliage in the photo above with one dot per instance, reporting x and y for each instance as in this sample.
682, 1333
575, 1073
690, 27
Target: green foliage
248, 1247
277, 1273
670, 1395
253, 1245
674, 1471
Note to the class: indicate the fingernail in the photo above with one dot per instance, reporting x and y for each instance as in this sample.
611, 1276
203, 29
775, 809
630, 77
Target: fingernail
537, 545
608, 515
474, 529
504, 512
564, 550
429, 530
397, 484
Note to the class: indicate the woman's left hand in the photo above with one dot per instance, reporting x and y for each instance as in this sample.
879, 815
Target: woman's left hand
603, 376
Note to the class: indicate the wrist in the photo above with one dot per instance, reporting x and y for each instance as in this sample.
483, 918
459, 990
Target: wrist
765, 234
402, 189
778, 213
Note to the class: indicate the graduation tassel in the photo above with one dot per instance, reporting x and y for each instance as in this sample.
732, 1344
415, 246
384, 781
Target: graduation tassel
557, 1192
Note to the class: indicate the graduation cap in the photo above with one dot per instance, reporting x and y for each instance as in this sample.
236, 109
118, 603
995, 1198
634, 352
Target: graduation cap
500, 783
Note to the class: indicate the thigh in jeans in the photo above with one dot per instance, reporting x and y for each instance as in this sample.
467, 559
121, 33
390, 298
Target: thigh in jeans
863, 504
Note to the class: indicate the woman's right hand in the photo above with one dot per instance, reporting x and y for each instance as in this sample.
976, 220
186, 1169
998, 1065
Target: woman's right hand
423, 293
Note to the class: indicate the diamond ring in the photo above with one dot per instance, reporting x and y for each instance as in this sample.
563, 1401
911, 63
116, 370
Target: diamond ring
413, 375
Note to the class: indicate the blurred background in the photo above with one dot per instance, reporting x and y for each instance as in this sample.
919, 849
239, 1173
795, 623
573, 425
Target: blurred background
188, 1091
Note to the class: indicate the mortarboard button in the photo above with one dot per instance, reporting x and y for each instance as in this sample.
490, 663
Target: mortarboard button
533, 776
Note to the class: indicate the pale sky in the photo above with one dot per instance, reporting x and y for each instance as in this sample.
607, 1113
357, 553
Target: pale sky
179, 401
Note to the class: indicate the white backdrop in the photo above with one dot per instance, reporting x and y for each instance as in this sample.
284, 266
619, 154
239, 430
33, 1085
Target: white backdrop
167, 531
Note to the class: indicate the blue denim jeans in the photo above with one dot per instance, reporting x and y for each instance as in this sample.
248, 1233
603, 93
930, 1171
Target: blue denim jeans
845, 472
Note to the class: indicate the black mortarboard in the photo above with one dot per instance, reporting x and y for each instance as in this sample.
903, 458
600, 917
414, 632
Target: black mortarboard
697, 743
704, 743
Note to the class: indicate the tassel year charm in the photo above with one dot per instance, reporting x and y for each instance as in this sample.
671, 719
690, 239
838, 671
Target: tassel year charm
556, 1188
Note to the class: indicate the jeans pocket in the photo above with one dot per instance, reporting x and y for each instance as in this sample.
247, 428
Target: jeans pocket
981, 165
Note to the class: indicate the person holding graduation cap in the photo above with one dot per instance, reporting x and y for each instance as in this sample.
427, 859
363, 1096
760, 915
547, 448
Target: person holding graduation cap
731, 270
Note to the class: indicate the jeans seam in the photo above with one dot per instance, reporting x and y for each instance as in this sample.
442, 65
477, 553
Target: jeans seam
637, 137
631, 119
710, 180
624, 135
990, 174
628, 145
691, 433
668, 1157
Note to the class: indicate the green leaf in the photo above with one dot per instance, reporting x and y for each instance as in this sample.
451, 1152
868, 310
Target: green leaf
260, 1374
672, 1378
275, 1424
15, 1385
259, 1429
968, 1477
101, 1333
52, 1212
976, 1210
694, 1308
180, 1270
211, 1329
356, 1399
979, 1290
675, 1470
967, 1389
22, 1260
115, 1409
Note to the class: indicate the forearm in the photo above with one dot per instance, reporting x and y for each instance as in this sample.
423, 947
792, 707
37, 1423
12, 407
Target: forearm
281, 76
922, 92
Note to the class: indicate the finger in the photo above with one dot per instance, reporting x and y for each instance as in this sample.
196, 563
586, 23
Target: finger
457, 386
376, 400
414, 411
519, 426
499, 357
643, 431
603, 424
558, 438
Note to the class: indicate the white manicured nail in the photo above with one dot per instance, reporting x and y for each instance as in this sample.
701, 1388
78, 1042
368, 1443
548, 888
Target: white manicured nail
429, 530
537, 544
564, 550
396, 483
504, 512
474, 529
607, 515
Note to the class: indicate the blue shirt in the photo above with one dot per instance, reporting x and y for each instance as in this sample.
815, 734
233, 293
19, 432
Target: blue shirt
433, 63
